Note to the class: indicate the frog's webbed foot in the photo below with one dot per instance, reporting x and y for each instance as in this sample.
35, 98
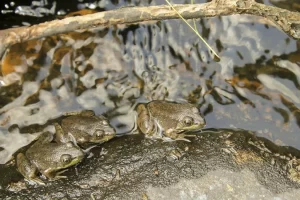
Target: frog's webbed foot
35, 180
167, 139
179, 136
27, 170
87, 150
56, 176
183, 137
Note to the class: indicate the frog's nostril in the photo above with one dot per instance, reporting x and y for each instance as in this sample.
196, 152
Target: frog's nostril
99, 133
110, 133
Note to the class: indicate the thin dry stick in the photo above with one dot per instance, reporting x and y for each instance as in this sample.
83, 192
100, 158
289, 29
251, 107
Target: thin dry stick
196, 32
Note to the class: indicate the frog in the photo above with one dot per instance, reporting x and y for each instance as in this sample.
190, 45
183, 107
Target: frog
84, 128
48, 158
161, 119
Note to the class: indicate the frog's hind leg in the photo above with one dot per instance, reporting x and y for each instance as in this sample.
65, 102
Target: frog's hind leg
144, 122
27, 169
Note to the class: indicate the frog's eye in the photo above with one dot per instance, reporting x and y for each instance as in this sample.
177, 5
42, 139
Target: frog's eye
65, 158
99, 133
104, 122
188, 121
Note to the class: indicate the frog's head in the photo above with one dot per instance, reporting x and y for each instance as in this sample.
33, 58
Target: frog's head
103, 132
71, 156
190, 120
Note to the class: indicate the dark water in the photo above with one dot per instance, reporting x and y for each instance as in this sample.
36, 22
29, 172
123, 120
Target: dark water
255, 86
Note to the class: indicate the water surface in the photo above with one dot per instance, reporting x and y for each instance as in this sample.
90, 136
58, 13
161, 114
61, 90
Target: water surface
255, 86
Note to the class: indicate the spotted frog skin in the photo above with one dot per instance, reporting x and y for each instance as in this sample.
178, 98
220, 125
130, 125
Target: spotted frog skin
48, 159
168, 120
85, 128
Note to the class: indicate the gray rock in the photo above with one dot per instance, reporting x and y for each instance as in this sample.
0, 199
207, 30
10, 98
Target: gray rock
223, 164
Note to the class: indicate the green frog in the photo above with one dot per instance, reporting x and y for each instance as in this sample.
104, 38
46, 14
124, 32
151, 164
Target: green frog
84, 128
48, 158
168, 120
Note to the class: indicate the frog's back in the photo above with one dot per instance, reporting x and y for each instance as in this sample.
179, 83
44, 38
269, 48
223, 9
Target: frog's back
169, 111
82, 123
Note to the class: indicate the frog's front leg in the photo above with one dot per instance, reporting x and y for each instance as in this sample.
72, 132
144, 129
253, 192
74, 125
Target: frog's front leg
28, 170
177, 135
53, 175
144, 121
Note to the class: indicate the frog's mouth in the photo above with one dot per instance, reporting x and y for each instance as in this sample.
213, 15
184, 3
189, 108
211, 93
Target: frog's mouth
108, 136
75, 161
101, 135
194, 127
109, 132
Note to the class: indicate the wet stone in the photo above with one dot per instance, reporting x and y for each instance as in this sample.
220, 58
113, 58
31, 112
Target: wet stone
214, 165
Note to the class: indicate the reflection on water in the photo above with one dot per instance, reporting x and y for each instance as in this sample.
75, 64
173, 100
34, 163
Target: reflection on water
255, 86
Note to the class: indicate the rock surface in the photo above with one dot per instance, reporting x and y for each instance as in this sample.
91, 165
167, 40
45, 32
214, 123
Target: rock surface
216, 164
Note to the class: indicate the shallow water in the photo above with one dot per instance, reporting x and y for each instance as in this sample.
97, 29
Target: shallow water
255, 86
